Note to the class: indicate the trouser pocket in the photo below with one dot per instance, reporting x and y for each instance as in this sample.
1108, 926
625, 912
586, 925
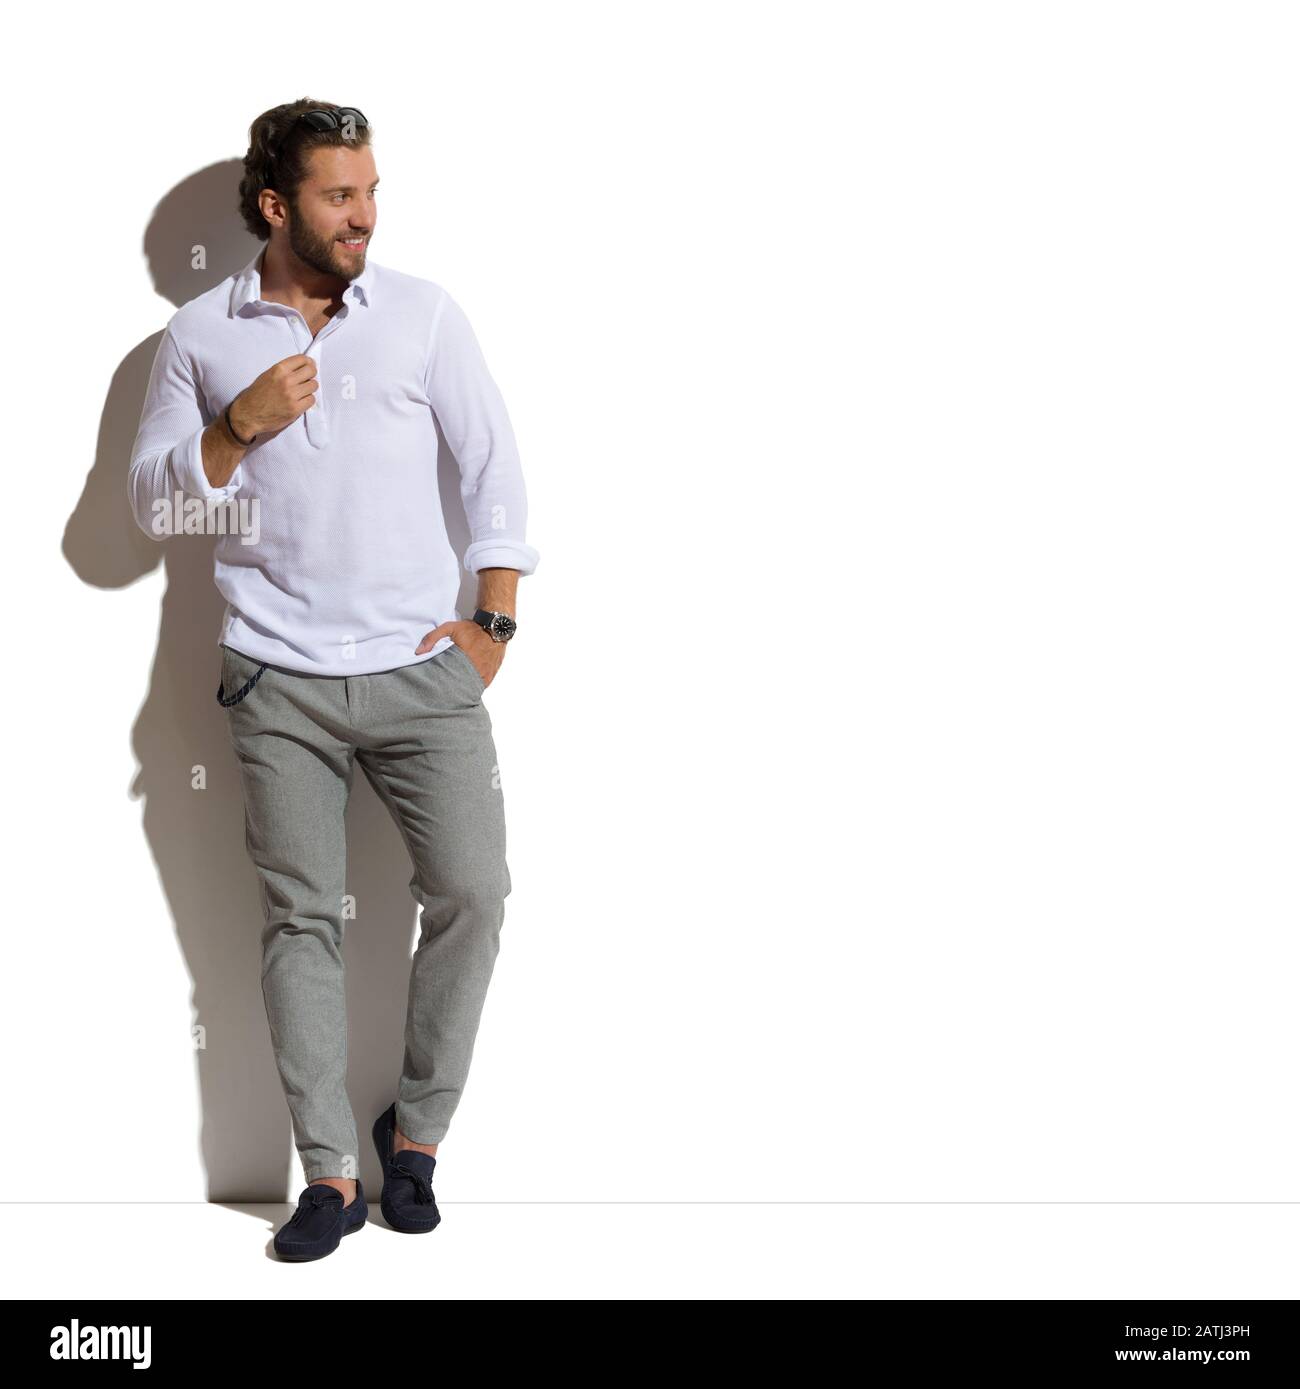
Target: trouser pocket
236, 683
469, 666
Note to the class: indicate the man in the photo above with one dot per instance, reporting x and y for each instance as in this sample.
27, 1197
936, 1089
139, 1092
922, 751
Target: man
307, 387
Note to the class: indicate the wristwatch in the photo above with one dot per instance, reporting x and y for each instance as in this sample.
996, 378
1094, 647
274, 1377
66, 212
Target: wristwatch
499, 626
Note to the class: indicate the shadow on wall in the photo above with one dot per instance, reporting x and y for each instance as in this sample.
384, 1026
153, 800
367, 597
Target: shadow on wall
197, 836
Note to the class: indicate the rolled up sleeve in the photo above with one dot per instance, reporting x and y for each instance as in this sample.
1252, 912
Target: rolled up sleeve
167, 456
472, 416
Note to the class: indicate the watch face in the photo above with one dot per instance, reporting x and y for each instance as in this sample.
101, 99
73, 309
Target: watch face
503, 627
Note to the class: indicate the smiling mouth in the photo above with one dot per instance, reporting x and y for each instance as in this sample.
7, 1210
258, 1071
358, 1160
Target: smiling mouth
353, 243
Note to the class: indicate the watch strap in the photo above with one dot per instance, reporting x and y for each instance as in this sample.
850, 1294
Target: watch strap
485, 620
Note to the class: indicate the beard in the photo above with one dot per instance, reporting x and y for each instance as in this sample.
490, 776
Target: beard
323, 253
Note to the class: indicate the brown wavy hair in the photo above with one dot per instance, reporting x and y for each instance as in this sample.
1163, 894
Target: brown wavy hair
278, 151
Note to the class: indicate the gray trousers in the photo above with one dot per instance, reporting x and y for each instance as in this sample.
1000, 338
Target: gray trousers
424, 741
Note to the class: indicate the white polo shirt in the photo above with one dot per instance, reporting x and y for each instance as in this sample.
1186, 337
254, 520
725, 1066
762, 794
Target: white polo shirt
335, 558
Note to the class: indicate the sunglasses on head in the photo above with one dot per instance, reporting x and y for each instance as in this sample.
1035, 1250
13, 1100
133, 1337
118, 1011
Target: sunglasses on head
321, 120
331, 120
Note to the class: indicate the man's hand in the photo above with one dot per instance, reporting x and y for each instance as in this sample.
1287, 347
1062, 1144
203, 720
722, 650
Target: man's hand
282, 393
485, 653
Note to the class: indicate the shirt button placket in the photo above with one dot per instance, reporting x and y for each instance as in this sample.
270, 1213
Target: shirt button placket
318, 431
316, 418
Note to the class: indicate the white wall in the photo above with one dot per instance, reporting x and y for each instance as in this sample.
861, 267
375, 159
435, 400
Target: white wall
900, 747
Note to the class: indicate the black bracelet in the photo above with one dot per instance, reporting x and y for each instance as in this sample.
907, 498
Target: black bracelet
231, 427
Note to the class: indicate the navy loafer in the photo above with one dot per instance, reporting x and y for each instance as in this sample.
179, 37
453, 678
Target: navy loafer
319, 1223
407, 1197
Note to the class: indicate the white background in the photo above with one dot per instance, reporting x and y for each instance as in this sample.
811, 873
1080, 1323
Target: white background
900, 745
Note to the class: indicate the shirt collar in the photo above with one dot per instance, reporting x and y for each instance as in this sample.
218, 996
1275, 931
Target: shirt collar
248, 285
